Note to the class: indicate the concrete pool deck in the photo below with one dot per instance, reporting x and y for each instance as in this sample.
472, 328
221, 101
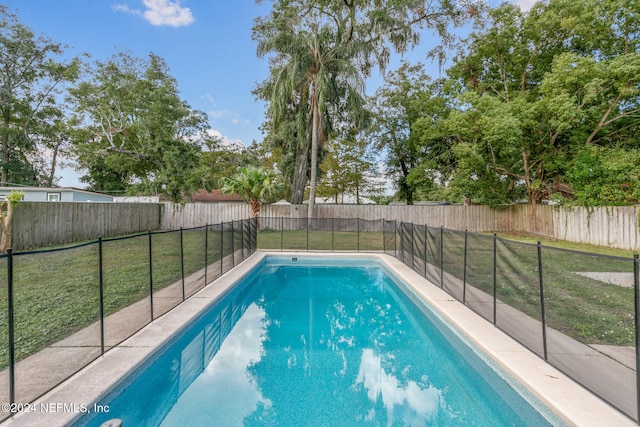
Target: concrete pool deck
568, 400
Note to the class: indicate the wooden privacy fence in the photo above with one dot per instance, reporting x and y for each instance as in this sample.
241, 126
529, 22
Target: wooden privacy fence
175, 216
39, 224
42, 224
605, 226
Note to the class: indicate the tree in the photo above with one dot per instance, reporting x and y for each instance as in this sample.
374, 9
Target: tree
605, 176
500, 128
401, 104
349, 169
6, 217
287, 130
32, 83
136, 130
223, 159
324, 50
255, 185
313, 70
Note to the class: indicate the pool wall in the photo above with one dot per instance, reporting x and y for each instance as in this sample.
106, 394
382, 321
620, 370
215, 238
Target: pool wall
565, 398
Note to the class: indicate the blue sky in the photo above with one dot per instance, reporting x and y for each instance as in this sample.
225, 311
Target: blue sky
206, 43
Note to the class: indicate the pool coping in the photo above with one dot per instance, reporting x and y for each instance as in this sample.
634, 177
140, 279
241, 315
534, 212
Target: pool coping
565, 398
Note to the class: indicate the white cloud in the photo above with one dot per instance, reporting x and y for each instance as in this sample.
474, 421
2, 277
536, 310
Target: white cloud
167, 12
227, 115
226, 141
160, 12
126, 9
231, 116
525, 5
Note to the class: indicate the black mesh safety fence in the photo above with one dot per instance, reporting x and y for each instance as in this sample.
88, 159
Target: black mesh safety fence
55, 317
326, 235
434, 256
127, 265
576, 310
294, 234
419, 249
370, 235
227, 247
518, 305
479, 274
321, 233
65, 307
193, 243
167, 271
406, 243
390, 237
590, 311
215, 246
253, 230
238, 242
270, 233
453, 253
346, 235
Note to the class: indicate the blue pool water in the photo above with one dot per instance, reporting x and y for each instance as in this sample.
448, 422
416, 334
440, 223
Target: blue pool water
312, 345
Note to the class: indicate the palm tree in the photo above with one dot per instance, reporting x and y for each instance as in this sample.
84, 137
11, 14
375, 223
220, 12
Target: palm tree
255, 185
313, 67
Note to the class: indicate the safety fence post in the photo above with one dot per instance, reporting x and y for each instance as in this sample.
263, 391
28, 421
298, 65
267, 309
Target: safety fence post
182, 262
150, 276
11, 328
101, 290
221, 248
442, 257
464, 269
542, 312
495, 276
636, 287
206, 252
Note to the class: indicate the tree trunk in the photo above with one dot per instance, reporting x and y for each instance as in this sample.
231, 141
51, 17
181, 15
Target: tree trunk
255, 209
300, 174
54, 164
4, 176
5, 223
314, 156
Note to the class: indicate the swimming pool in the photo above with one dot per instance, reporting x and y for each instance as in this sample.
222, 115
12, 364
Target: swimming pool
311, 343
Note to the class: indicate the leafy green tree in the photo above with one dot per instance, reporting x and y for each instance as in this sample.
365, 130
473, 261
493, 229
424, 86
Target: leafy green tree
500, 113
136, 129
32, 84
535, 88
403, 105
605, 176
349, 169
255, 185
223, 159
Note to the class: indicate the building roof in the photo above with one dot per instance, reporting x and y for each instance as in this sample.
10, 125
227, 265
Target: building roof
215, 196
51, 189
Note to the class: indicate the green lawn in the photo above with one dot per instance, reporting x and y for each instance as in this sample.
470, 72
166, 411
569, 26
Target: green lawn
320, 240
